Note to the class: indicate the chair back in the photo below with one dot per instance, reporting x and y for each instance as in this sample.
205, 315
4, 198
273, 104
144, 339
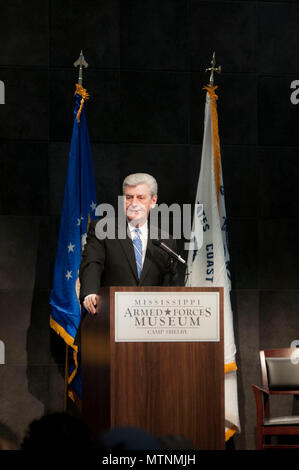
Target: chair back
280, 370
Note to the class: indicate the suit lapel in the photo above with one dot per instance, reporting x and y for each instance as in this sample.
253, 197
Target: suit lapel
149, 255
147, 260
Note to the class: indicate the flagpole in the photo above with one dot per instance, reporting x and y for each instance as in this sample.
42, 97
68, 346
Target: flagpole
210, 193
81, 62
66, 368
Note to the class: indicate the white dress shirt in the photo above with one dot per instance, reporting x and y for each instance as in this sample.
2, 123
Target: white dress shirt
143, 236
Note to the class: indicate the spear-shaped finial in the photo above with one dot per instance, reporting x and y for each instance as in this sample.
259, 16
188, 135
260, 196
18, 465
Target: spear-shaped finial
213, 69
81, 62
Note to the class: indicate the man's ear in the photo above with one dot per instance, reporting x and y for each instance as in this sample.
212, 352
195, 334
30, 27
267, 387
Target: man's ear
154, 201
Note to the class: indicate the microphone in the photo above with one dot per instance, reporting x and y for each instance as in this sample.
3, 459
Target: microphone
169, 251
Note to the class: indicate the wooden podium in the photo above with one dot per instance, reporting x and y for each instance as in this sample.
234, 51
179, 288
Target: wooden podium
161, 386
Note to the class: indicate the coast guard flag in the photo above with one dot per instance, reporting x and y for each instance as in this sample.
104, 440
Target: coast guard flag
78, 209
210, 265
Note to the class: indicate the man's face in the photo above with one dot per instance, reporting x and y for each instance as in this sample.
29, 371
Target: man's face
138, 202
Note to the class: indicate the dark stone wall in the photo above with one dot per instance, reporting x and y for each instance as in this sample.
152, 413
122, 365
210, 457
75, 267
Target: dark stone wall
145, 76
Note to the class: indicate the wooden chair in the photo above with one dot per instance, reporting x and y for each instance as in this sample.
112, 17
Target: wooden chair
280, 376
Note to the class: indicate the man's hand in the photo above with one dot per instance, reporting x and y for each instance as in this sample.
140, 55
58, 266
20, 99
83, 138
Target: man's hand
92, 303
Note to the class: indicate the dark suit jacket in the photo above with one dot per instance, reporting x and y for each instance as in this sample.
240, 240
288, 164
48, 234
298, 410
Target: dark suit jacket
111, 262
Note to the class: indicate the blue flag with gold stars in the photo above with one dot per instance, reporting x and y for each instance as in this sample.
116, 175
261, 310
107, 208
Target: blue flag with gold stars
78, 210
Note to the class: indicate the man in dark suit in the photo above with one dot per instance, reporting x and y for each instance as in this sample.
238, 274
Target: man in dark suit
130, 261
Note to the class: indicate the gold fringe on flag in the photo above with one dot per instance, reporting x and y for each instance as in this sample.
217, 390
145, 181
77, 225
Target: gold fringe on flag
232, 366
230, 432
63, 333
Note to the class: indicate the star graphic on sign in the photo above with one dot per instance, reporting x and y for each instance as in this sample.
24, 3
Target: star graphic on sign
93, 206
80, 220
167, 311
68, 275
71, 247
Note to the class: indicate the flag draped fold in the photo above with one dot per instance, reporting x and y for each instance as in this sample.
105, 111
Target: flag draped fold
209, 266
78, 209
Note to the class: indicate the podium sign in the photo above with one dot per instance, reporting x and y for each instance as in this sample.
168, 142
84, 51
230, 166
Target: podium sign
167, 316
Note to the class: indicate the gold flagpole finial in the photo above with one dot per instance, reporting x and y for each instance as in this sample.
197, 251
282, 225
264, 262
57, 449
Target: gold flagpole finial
81, 62
213, 69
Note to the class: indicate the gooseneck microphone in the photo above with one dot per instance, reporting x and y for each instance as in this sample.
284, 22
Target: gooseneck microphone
169, 251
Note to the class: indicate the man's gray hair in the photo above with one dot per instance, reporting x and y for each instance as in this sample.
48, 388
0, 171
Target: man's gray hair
141, 178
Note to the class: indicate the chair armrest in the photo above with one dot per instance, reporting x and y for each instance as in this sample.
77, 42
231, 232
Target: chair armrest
262, 403
256, 388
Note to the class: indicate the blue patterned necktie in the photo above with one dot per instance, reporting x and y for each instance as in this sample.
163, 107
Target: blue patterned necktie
137, 243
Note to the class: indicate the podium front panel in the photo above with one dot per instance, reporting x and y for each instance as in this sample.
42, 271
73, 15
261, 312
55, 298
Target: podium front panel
163, 387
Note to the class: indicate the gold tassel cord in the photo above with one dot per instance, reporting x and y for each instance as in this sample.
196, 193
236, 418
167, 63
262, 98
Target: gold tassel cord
84, 95
216, 140
71, 377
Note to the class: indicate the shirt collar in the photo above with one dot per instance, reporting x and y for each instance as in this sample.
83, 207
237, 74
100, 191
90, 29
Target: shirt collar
143, 229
